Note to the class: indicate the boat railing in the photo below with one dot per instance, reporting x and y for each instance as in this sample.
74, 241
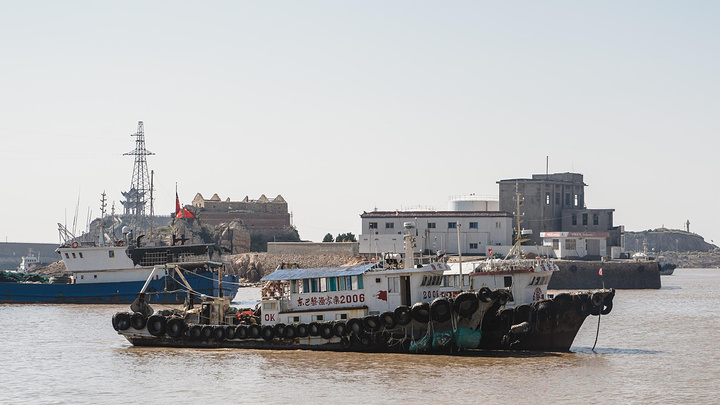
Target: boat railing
163, 257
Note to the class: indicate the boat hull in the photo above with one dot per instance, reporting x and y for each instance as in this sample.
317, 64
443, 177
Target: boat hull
165, 290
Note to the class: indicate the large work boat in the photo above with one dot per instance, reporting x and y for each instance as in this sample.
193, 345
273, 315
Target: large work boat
390, 305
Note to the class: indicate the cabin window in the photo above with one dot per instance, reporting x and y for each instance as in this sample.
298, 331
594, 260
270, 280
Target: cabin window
293, 319
340, 283
393, 284
389, 225
314, 285
67, 256
80, 253
431, 225
372, 225
74, 255
571, 244
498, 224
452, 225
424, 280
507, 280
332, 284
474, 246
323, 284
473, 225
466, 279
94, 275
360, 282
293, 287
82, 277
318, 317
348, 283
339, 317
111, 254
306, 285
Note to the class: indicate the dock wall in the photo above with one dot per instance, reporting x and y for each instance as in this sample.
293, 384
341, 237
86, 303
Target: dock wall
577, 274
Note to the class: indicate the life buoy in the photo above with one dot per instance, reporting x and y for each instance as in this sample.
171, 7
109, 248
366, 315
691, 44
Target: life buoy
74, 244
120, 243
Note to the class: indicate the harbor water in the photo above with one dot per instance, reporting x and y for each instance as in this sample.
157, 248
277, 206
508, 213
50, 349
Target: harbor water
656, 346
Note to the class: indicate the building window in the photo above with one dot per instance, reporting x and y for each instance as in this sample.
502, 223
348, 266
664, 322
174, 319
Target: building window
452, 225
431, 225
547, 199
473, 246
306, 285
389, 225
314, 285
585, 218
567, 200
498, 224
596, 219
473, 225
571, 244
372, 225
556, 244
574, 219
557, 198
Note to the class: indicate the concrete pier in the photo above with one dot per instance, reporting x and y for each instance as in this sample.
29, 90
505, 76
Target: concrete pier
620, 274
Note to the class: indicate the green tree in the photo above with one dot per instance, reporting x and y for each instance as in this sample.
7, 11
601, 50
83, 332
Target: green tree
346, 237
328, 238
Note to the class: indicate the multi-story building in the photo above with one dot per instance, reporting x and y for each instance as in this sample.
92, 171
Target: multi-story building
382, 231
556, 203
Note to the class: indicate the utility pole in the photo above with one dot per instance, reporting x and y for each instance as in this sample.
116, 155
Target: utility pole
140, 184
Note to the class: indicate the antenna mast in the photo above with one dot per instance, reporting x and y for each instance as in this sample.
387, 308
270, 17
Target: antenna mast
135, 204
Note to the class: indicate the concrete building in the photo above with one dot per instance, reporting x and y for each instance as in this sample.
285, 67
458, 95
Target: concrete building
382, 231
575, 245
556, 203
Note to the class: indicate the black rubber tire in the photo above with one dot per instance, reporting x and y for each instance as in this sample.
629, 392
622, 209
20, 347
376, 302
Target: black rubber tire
230, 332
138, 320
175, 327
403, 314
355, 326
121, 321
563, 302
372, 323
302, 330
268, 332
326, 330
206, 333
388, 319
582, 304
156, 325
218, 333
523, 313
544, 309
314, 329
346, 343
340, 329
506, 317
242, 332
194, 332
441, 310
484, 294
254, 331
607, 307
279, 330
289, 332
421, 312
466, 304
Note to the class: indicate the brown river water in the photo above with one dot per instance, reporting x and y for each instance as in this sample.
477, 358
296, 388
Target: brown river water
656, 346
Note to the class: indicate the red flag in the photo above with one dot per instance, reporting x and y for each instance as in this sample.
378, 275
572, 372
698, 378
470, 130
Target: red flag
187, 214
177, 205
600, 272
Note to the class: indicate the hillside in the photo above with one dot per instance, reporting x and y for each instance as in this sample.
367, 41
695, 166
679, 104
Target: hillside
666, 240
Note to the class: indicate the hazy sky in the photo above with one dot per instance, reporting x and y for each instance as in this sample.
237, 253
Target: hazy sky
344, 106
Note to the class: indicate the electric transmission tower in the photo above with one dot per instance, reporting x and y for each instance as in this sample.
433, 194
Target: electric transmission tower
135, 198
